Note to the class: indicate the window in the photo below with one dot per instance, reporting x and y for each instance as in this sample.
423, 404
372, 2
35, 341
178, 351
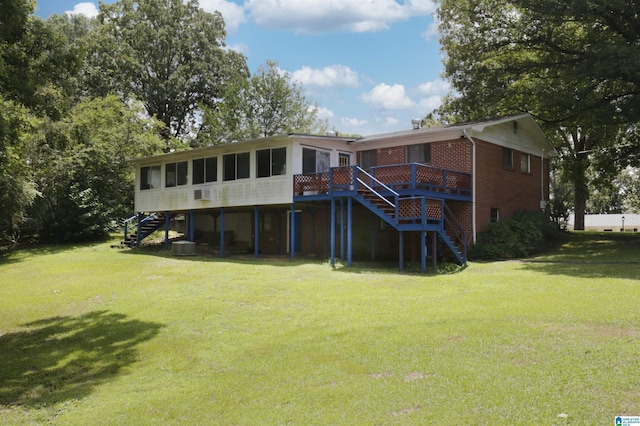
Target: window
495, 214
271, 162
205, 170
235, 166
507, 158
419, 153
368, 159
175, 174
344, 160
150, 177
525, 163
315, 161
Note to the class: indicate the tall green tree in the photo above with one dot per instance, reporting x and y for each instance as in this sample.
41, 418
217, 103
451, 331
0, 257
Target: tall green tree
270, 103
551, 58
169, 54
81, 169
17, 189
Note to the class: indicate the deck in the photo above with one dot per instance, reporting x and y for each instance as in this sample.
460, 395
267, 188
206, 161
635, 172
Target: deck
406, 179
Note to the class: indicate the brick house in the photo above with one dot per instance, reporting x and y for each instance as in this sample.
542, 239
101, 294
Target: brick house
414, 195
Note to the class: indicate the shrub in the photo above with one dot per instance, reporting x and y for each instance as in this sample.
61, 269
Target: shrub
524, 234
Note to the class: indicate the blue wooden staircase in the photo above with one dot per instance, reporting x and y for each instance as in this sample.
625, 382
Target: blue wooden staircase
140, 226
412, 213
414, 198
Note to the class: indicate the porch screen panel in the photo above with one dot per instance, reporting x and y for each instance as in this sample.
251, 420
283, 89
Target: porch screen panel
419, 153
263, 163
211, 169
243, 165
183, 172
308, 160
323, 161
198, 171
279, 161
229, 167
150, 177
368, 159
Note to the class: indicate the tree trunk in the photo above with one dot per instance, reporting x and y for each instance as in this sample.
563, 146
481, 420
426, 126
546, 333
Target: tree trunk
581, 192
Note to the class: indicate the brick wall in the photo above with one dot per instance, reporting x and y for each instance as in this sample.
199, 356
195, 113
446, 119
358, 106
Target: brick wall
453, 155
389, 156
507, 190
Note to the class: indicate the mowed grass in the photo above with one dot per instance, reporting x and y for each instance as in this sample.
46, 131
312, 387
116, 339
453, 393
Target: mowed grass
94, 335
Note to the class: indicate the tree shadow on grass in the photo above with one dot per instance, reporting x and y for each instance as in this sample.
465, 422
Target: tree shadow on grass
21, 252
592, 255
63, 358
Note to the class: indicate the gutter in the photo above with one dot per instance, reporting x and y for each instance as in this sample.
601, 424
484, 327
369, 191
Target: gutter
473, 184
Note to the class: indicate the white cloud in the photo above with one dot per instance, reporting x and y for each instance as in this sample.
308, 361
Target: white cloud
435, 87
431, 33
388, 97
331, 76
324, 113
240, 48
427, 105
354, 122
390, 121
313, 16
233, 14
85, 8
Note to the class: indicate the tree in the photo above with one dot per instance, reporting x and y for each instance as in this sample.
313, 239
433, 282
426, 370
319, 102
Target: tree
36, 66
551, 58
81, 168
17, 190
270, 103
169, 54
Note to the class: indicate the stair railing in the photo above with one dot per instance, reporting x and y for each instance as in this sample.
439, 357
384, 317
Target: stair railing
373, 180
135, 223
452, 224
133, 219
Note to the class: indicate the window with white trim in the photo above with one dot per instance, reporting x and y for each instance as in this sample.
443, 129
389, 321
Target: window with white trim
175, 174
235, 166
271, 162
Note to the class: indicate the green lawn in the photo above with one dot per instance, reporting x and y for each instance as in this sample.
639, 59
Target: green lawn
94, 335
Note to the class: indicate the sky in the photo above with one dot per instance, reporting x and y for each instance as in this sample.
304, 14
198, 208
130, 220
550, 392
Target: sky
369, 65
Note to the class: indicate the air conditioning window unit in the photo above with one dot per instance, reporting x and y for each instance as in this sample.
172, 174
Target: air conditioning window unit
201, 194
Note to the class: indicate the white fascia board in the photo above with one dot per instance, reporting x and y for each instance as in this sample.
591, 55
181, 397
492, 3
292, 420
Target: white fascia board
214, 150
409, 137
529, 137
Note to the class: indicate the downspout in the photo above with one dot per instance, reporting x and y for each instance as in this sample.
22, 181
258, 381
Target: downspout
473, 184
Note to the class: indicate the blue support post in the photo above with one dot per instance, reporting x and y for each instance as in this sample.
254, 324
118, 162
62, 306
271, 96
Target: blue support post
423, 251
325, 239
293, 231
280, 214
139, 231
256, 225
413, 175
374, 220
221, 231
434, 261
166, 230
401, 251
349, 232
191, 226
313, 212
342, 229
333, 232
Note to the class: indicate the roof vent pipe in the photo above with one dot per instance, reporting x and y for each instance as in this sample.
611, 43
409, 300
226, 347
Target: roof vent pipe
416, 123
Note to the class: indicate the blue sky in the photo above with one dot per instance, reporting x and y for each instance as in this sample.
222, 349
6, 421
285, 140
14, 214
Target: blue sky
371, 66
